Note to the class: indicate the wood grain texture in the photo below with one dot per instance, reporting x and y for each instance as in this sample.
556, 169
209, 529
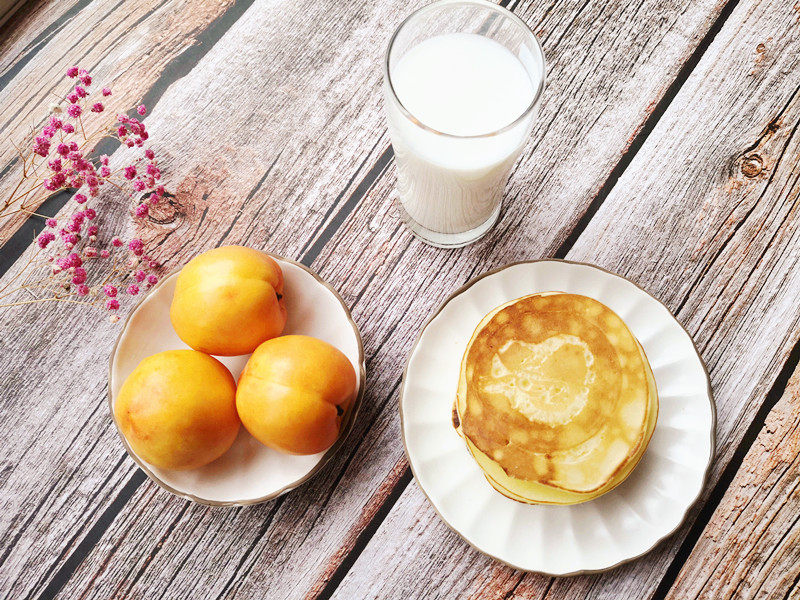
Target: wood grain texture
276, 174
754, 536
26, 30
381, 271
125, 49
269, 136
693, 223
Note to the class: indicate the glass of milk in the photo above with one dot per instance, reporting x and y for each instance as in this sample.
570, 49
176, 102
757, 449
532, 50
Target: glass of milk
462, 80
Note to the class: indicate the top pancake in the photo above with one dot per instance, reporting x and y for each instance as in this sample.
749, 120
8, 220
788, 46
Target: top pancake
554, 389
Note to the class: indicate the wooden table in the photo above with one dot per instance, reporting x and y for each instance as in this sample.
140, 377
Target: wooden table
667, 149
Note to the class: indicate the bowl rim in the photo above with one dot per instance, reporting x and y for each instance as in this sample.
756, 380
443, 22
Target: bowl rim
347, 423
710, 397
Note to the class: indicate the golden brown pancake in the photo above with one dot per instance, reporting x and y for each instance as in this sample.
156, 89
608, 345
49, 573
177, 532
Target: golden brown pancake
556, 400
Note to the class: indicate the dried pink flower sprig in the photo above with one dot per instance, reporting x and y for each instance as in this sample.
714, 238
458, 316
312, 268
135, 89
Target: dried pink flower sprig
58, 160
67, 252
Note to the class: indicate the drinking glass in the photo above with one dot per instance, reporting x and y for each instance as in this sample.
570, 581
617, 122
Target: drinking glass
450, 186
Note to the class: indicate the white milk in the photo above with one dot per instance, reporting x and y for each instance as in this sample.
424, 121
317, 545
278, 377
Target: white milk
461, 84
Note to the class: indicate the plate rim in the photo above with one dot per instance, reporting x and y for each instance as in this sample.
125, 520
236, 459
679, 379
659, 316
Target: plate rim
347, 425
709, 396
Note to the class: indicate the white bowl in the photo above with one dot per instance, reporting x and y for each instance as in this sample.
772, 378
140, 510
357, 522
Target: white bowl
249, 472
624, 523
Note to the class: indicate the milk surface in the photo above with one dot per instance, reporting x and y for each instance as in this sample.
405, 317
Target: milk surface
462, 84
458, 84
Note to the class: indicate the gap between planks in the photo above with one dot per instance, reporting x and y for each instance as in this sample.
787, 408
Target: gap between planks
770, 400
182, 65
775, 393
77, 556
374, 173
176, 69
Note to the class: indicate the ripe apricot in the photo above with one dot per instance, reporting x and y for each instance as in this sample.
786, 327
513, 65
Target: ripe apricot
229, 300
293, 393
177, 409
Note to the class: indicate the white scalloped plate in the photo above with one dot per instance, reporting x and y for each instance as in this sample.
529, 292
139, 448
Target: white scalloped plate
249, 472
594, 536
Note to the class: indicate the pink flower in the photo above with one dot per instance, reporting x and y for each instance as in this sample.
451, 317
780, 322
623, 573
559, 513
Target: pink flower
106, 91
112, 304
116, 242
141, 211
122, 131
130, 172
69, 238
152, 264
68, 128
104, 160
104, 253
79, 275
136, 246
138, 185
82, 93
149, 154
90, 252
72, 72
105, 171
90, 213
110, 291
152, 279
45, 238
55, 122
41, 147
97, 107
59, 179
50, 185
72, 97
74, 111
48, 131
133, 289
52, 223
93, 230
141, 109
83, 290
80, 198
129, 143
55, 164
140, 276
87, 80
74, 260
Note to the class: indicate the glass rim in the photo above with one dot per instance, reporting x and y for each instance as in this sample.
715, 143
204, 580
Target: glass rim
492, 7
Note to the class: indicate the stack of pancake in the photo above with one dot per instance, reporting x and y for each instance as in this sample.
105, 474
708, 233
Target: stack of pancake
556, 400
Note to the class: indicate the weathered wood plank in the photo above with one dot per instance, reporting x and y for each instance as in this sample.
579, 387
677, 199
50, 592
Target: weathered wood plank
691, 221
271, 157
751, 546
23, 28
126, 49
291, 547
